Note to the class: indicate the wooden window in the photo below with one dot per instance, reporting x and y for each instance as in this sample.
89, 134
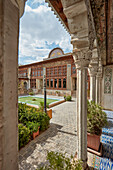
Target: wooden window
64, 83
33, 83
51, 82
64, 70
55, 70
55, 83
47, 82
41, 72
47, 70
59, 83
59, 70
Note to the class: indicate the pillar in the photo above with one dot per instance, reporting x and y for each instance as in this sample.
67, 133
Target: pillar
9, 31
82, 113
68, 77
92, 87
98, 87
93, 69
82, 58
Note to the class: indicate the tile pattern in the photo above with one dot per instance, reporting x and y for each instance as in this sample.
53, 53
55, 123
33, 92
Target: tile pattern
106, 161
107, 80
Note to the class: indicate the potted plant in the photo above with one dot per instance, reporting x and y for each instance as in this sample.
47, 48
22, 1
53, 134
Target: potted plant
96, 120
34, 128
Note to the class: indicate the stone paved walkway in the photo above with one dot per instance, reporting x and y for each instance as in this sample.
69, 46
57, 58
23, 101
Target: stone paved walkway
60, 136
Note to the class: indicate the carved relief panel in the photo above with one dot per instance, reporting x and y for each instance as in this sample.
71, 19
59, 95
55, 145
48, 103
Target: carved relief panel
108, 81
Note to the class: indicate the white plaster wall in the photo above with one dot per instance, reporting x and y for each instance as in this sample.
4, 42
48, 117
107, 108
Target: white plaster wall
107, 99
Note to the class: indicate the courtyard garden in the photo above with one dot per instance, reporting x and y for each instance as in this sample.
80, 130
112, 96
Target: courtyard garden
35, 100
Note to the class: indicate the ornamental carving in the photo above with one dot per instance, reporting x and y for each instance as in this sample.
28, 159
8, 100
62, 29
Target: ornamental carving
108, 80
82, 57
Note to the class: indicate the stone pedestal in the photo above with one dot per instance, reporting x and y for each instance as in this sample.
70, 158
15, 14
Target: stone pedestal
9, 31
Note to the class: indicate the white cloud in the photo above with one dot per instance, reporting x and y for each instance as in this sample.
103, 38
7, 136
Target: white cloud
39, 29
38, 1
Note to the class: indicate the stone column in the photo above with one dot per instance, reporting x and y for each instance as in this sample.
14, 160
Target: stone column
98, 85
92, 87
93, 68
9, 31
68, 86
82, 58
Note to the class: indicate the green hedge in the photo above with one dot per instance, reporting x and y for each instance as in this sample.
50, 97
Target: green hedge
30, 119
24, 135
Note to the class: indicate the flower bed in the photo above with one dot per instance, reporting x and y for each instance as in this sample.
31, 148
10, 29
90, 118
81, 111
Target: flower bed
30, 119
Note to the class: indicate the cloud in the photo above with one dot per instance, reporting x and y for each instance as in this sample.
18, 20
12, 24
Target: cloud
40, 32
38, 1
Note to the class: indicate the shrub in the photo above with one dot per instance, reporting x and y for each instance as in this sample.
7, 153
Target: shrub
68, 98
44, 121
30, 114
96, 118
24, 135
33, 127
41, 108
31, 93
64, 97
58, 161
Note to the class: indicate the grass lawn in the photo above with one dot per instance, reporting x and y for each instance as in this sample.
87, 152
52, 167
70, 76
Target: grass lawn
36, 102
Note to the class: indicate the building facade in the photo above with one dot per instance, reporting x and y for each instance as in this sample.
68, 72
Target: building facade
59, 70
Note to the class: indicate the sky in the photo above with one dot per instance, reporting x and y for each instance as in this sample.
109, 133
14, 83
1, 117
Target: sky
40, 32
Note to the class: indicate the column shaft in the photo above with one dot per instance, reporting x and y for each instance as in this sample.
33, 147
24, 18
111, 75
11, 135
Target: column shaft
93, 88
98, 90
9, 30
82, 114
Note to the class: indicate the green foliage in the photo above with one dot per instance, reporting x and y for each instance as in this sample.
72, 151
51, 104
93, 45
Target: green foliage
58, 161
31, 93
68, 98
41, 108
33, 127
24, 135
30, 114
96, 118
44, 121
64, 97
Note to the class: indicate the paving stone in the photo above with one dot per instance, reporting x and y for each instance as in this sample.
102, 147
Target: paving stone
59, 137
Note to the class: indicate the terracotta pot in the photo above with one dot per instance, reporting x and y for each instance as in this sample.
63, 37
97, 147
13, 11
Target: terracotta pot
35, 134
93, 141
49, 112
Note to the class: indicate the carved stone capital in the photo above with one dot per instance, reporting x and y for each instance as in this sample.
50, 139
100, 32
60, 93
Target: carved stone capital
19, 4
82, 57
93, 69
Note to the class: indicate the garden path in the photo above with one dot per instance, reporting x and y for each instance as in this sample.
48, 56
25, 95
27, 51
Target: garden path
60, 136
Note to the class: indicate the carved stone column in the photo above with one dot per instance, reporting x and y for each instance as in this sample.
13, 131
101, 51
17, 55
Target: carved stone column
93, 69
9, 31
82, 58
99, 84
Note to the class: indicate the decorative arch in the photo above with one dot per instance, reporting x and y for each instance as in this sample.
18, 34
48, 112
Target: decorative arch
56, 52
